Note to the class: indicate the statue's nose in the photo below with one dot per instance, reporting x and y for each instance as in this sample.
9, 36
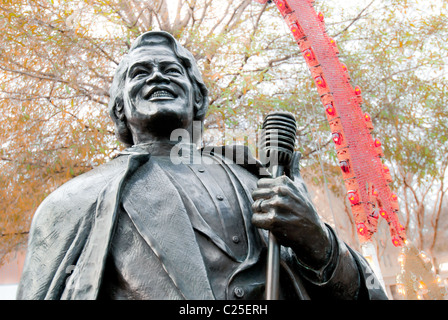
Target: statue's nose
157, 76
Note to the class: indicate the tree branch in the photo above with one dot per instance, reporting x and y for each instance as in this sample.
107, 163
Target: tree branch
360, 14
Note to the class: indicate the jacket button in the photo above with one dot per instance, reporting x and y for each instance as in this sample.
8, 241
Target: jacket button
238, 292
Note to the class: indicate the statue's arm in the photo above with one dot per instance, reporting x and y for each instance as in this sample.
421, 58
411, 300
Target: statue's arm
57, 232
283, 206
60, 229
346, 275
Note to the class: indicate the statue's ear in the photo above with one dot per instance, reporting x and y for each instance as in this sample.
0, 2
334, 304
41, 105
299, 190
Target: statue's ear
122, 131
200, 105
118, 110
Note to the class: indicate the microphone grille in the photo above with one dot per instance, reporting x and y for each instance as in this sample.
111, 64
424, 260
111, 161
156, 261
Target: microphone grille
278, 137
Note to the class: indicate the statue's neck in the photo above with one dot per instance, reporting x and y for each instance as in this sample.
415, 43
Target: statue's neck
165, 148
157, 148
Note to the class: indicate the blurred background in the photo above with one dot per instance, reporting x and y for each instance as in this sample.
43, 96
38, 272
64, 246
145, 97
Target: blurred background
57, 60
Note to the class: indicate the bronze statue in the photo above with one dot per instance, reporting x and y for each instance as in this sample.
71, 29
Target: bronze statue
143, 226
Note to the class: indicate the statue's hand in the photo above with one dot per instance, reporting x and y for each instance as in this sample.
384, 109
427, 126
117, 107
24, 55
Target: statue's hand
280, 207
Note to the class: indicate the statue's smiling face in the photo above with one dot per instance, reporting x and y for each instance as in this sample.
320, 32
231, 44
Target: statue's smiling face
158, 94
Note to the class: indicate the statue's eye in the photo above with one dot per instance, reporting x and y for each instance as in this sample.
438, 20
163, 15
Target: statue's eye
139, 72
173, 70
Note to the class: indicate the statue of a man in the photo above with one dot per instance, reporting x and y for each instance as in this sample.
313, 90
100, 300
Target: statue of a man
143, 226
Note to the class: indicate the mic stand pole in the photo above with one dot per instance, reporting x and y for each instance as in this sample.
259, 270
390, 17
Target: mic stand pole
273, 264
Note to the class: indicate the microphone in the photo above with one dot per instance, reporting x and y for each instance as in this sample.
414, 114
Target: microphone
277, 142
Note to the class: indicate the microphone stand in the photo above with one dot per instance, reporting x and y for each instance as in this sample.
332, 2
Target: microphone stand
273, 263
277, 141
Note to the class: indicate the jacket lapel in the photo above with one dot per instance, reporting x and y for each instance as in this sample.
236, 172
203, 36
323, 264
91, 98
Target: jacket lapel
155, 207
85, 281
200, 225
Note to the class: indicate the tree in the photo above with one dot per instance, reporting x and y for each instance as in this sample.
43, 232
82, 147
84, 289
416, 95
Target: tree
57, 63
400, 64
58, 58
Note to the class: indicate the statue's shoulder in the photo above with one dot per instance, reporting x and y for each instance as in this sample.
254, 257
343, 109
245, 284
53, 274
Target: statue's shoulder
78, 196
238, 154
61, 226
91, 182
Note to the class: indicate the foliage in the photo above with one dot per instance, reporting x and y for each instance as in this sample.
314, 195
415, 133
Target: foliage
57, 63
397, 56
57, 59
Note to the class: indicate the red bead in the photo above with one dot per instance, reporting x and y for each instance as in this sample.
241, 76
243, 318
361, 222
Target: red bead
333, 42
283, 7
337, 138
353, 197
377, 143
308, 54
321, 16
344, 166
362, 229
367, 116
330, 109
297, 31
320, 82
396, 241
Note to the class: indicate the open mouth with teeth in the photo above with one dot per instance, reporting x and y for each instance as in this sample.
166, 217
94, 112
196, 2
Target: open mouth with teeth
161, 94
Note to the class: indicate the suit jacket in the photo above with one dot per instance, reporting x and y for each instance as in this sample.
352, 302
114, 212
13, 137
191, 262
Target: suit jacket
73, 228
